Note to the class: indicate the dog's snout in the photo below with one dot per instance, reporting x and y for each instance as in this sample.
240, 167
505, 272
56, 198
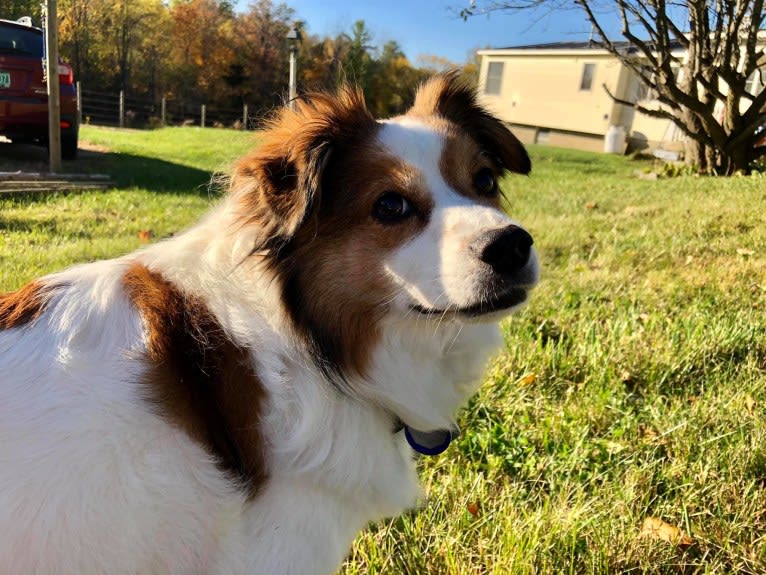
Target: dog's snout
506, 250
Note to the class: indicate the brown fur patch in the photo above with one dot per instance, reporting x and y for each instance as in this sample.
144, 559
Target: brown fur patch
24, 305
200, 379
461, 160
449, 97
334, 285
280, 182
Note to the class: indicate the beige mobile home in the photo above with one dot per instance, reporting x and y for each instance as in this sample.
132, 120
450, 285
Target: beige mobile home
554, 94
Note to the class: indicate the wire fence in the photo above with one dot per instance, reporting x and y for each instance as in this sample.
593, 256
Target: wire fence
119, 109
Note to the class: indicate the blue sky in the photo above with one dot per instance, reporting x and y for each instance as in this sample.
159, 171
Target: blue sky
434, 26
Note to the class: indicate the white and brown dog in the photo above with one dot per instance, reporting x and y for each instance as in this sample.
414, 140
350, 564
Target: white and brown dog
246, 396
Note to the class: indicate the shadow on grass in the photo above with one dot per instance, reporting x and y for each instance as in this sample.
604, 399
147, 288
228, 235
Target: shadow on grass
157, 175
125, 170
13, 224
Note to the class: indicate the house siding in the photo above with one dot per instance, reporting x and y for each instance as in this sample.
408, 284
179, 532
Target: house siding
544, 91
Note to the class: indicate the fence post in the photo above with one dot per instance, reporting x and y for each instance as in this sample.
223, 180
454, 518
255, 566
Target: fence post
122, 108
202, 117
244, 117
162, 112
79, 103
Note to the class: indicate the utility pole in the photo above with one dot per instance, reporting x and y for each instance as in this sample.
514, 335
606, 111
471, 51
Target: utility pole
293, 37
52, 81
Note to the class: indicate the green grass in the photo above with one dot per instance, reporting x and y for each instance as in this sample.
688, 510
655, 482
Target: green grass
163, 185
633, 385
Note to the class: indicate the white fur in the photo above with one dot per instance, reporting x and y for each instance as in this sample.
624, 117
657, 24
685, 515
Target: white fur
93, 481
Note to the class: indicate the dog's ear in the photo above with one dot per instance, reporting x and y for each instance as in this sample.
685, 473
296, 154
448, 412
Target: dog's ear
448, 96
279, 185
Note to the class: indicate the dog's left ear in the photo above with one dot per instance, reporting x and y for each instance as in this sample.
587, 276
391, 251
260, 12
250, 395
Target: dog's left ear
279, 185
448, 96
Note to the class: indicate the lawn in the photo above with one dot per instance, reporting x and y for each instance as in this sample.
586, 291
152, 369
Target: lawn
632, 387
163, 185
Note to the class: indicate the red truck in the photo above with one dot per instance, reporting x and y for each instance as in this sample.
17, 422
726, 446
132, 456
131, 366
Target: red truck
23, 93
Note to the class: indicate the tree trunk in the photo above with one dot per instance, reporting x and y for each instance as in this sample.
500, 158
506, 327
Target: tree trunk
740, 158
696, 152
715, 162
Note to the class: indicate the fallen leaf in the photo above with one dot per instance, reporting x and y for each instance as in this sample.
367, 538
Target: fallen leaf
145, 235
473, 508
528, 379
655, 528
591, 205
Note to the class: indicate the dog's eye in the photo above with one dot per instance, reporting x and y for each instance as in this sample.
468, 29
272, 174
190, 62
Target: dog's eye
391, 207
485, 182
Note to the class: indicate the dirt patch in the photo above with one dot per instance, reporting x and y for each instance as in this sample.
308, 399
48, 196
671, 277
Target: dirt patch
85, 146
15, 157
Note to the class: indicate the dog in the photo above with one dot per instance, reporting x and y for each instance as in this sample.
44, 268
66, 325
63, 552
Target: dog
246, 396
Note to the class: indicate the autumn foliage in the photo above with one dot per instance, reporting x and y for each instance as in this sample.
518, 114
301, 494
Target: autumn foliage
220, 53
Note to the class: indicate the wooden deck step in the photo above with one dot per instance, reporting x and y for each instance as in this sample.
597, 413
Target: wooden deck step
34, 182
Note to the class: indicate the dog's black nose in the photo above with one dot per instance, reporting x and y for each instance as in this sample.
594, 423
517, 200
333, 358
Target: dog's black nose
506, 250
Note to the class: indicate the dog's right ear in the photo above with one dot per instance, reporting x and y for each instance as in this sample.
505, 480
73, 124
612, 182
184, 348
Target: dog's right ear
448, 96
279, 185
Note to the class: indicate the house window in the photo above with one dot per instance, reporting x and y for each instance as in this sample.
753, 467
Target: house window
588, 70
755, 82
494, 78
643, 91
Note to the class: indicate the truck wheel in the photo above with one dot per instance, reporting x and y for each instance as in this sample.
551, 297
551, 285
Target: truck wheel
69, 147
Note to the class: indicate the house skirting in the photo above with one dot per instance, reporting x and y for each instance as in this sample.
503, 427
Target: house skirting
589, 142
642, 144
559, 138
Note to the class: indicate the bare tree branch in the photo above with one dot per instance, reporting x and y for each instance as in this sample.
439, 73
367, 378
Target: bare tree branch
655, 113
747, 132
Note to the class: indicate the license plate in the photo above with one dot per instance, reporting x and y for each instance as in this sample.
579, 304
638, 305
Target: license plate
5, 79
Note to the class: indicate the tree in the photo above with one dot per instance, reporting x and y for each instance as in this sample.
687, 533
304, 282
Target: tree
356, 65
320, 61
392, 83
76, 32
262, 52
469, 71
108, 40
15, 9
202, 51
703, 59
